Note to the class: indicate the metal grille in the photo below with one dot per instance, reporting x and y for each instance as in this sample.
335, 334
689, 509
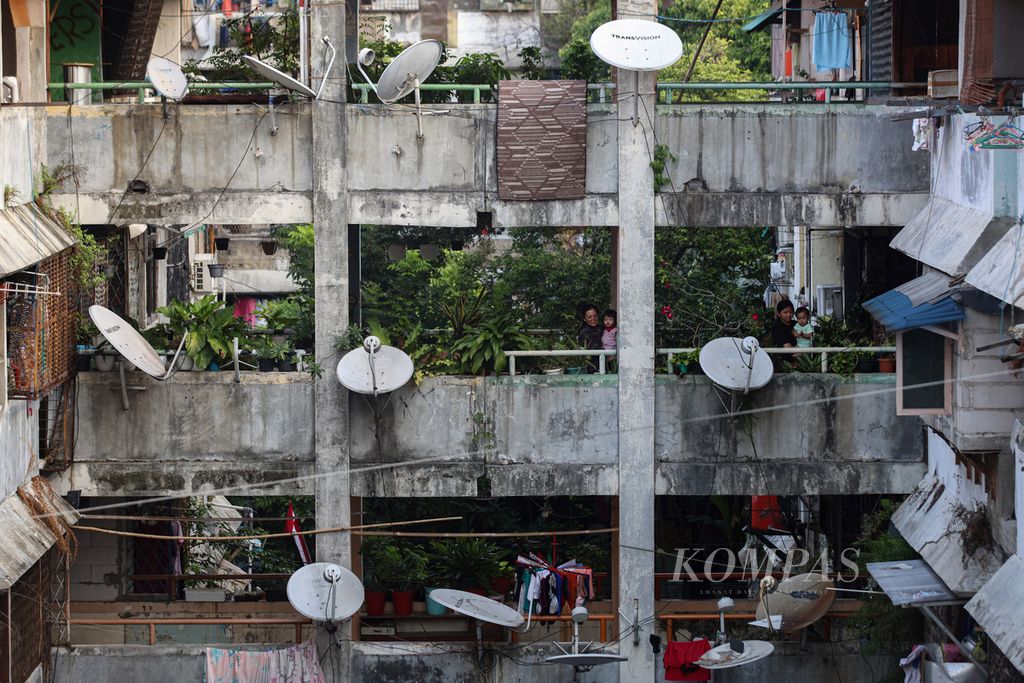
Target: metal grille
41, 331
57, 427
117, 274
880, 25
28, 638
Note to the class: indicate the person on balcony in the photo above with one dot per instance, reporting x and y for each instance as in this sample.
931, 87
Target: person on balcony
803, 329
783, 334
590, 333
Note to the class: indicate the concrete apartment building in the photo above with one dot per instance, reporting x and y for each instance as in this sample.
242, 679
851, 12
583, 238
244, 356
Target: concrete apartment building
838, 180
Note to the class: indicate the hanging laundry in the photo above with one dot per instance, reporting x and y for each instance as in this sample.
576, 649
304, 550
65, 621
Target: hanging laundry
832, 42
680, 660
922, 134
283, 665
911, 664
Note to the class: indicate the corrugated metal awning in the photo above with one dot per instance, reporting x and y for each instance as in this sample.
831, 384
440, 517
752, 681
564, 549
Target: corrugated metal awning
927, 519
926, 300
762, 19
950, 237
1000, 272
997, 608
910, 582
25, 539
28, 236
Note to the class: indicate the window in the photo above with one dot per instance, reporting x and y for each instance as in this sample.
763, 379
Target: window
924, 368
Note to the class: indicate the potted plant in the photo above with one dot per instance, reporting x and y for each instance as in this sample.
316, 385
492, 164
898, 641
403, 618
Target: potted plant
687, 363
269, 247
503, 578
223, 243
159, 253
466, 563
388, 567
263, 348
482, 348
285, 355
211, 329
279, 317
887, 363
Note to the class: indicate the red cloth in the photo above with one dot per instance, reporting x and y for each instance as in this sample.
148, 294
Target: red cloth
680, 657
766, 514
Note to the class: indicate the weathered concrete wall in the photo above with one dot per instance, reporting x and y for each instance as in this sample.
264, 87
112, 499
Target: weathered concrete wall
22, 147
749, 165
988, 395
194, 153
19, 439
812, 434
197, 431
402, 662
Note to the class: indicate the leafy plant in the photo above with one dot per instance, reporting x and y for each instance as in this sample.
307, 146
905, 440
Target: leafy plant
481, 68
532, 63
843, 363
580, 63
662, 154
482, 348
389, 567
275, 42
481, 433
88, 254
279, 314
210, 325
465, 562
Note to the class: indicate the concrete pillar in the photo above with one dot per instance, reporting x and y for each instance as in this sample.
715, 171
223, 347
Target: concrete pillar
330, 216
635, 278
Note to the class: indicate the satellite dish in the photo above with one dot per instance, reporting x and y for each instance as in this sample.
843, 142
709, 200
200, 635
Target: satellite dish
128, 342
586, 659
278, 76
636, 45
724, 657
375, 368
736, 364
286, 81
799, 601
404, 74
477, 607
325, 592
408, 70
167, 78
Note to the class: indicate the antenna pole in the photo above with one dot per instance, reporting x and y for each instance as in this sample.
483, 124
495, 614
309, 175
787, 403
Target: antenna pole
419, 112
636, 98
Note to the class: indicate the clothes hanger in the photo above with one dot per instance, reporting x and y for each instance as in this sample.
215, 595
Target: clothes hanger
1005, 136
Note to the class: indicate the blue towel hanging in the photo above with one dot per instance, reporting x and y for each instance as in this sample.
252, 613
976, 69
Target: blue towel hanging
831, 46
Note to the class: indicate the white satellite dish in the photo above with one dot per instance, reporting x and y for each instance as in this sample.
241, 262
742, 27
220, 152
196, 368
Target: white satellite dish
375, 368
478, 607
798, 601
586, 660
325, 592
724, 657
636, 45
128, 342
578, 657
286, 81
167, 78
404, 74
736, 364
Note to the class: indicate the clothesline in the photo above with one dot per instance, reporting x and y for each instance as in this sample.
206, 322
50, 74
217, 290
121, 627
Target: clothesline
497, 534
285, 534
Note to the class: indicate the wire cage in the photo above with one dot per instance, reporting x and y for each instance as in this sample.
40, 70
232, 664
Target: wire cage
41, 328
57, 427
34, 615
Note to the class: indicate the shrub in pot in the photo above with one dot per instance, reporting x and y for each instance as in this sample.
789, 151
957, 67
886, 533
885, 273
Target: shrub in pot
389, 567
465, 563
211, 328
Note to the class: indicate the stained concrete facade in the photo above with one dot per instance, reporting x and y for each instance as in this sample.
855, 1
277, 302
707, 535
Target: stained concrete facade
810, 434
738, 165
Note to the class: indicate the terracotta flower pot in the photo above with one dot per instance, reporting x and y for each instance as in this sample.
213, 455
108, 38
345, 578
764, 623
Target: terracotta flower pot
502, 585
375, 603
403, 602
887, 365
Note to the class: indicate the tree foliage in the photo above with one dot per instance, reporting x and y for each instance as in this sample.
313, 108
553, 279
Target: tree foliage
749, 53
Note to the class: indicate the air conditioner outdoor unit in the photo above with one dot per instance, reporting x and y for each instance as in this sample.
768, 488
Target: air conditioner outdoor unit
201, 280
830, 300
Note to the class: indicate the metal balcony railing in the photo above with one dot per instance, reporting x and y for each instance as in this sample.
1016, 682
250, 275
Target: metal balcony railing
824, 352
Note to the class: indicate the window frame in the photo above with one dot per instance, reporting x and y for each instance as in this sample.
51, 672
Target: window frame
947, 376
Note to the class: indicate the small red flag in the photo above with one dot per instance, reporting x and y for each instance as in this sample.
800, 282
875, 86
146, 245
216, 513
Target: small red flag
291, 525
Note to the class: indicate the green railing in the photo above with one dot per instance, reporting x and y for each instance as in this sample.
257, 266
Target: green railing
143, 86
600, 91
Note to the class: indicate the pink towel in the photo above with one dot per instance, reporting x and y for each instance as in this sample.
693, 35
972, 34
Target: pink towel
295, 664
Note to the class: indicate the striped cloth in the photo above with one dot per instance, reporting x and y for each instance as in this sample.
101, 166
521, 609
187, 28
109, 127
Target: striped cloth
295, 664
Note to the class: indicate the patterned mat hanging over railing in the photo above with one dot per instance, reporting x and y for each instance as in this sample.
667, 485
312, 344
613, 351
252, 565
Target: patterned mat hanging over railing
542, 140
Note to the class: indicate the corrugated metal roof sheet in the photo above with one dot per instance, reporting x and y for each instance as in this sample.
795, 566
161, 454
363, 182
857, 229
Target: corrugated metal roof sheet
1000, 272
25, 539
950, 237
927, 519
997, 607
27, 236
910, 582
926, 300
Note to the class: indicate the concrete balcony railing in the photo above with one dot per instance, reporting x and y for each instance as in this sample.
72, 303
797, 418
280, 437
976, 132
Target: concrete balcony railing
542, 434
